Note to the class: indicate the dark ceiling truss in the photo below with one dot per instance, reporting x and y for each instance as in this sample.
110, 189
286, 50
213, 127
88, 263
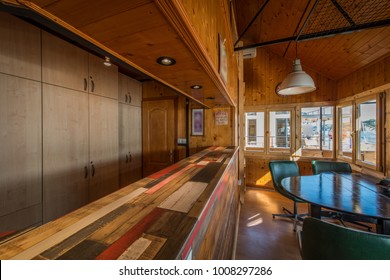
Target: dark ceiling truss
331, 17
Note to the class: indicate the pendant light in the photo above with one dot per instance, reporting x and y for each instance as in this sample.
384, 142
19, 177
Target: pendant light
296, 82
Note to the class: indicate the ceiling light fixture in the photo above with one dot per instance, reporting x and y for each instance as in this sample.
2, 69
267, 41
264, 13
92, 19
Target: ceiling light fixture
107, 62
296, 82
196, 86
166, 61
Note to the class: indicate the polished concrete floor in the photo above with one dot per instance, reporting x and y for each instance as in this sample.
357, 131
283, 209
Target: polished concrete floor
261, 237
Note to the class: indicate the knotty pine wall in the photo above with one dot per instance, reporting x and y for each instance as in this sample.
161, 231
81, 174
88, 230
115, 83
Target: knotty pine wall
214, 135
209, 19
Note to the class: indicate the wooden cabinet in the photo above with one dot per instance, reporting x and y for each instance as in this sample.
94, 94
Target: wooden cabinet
130, 91
20, 153
20, 48
65, 151
103, 137
130, 144
66, 65
103, 80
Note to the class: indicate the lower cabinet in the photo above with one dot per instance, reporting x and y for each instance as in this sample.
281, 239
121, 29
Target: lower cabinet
20, 153
80, 149
65, 151
130, 144
103, 138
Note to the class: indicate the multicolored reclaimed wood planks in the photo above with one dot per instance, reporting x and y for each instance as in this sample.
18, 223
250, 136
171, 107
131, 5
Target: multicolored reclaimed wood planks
187, 210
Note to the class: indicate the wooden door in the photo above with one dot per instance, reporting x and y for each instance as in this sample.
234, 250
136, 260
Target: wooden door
20, 48
158, 126
103, 80
103, 137
65, 151
20, 153
63, 64
135, 143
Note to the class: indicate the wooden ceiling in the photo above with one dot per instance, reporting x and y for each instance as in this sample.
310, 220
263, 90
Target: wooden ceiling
334, 57
138, 31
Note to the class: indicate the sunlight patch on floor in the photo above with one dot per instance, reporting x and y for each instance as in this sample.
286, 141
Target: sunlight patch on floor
254, 220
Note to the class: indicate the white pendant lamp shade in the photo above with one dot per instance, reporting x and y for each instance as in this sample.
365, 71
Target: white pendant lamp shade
297, 82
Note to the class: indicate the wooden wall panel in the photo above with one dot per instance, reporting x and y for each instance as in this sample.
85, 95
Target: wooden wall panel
209, 19
266, 70
372, 76
214, 135
258, 174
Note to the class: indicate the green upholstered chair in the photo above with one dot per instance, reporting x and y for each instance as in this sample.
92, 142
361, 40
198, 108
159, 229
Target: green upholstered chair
321, 240
280, 170
320, 166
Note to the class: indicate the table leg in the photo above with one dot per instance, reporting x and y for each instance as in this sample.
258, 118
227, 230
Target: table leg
315, 210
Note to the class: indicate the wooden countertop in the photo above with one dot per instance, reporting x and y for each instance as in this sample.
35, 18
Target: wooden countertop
154, 218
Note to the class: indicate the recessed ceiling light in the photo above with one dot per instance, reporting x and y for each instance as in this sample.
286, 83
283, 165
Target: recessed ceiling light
166, 61
196, 86
107, 61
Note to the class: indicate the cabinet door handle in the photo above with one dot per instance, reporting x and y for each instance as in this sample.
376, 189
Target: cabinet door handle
127, 158
130, 157
85, 84
129, 98
85, 172
92, 85
126, 98
93, 169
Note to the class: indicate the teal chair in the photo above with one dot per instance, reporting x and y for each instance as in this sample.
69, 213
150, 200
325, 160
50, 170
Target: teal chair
280, 170
321, 240
320, 166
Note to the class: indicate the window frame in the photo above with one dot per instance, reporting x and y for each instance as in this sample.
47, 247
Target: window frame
380, 118
319, 152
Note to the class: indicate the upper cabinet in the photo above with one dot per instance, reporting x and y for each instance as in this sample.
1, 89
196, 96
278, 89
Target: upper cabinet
103, 80
20, 48
130, 91
66, 65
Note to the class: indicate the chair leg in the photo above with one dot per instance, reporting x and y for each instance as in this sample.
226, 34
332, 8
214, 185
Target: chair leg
291, 215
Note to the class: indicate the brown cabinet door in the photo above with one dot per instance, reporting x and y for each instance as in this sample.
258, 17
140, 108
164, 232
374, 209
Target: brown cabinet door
135, 143
130, 90
20, 153
64, 64
103, 137
20, 48
65, 151
158, 127
103, 80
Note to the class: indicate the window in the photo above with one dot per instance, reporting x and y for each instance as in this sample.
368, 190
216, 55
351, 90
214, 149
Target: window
254, 130
366, 131
345, 132
317, 131
360, 131
279, 130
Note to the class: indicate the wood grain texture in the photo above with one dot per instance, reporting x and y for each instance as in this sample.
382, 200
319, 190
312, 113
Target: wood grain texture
129, 224
21, 152
18, 58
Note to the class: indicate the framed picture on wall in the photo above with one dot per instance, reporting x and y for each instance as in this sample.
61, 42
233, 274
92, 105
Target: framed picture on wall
197, 122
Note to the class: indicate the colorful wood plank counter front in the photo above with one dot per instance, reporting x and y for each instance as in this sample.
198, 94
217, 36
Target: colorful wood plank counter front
186, 211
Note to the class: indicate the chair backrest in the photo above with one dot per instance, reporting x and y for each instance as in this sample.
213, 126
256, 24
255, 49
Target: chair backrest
281, 169
320, 166
325, 241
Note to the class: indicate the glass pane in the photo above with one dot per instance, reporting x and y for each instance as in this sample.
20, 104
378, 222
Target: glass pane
346, 131
366, 125
280, 129
254, 137
317, 128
